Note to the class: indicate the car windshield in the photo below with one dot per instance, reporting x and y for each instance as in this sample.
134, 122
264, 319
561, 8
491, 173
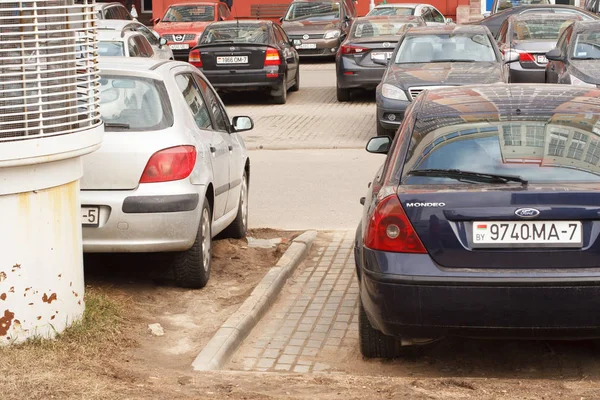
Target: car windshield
392, 11
467, 47
189, 14
236, 34
133, 103
313, 10
110, 49
539, 29
587, 46
532, 150
385, 27
505, 4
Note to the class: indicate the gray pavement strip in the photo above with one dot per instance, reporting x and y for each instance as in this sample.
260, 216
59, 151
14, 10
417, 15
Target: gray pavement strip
232, 333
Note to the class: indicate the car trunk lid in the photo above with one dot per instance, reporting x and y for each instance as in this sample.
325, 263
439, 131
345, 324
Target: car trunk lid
233, 56
380, 48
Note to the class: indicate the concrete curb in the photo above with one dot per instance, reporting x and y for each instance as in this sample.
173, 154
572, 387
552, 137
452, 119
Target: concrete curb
232, 333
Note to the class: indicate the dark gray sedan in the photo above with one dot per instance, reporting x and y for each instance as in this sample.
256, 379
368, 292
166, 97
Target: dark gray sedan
576, 59
433, 57
361, 60
531, 37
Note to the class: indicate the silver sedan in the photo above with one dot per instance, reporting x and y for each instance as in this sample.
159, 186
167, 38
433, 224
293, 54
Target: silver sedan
172, 171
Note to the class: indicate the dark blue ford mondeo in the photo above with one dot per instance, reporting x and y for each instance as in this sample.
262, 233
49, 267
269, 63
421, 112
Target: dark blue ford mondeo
484, 220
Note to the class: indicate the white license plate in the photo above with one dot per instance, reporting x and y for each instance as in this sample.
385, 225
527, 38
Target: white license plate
232, 60
381, 56
184, 46
307, 46
542, 60
90, 216
527, 234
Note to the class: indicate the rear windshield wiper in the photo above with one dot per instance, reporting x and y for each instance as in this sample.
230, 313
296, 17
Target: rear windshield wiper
116, 125
467, 176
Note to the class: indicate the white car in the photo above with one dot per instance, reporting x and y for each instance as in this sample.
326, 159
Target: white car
113, 43
172, 171
429, 13
159, 45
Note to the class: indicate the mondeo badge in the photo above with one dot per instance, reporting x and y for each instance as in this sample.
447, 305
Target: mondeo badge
527, 212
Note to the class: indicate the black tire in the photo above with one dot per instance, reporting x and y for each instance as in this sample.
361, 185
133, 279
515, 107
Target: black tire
381, 131
373, 343
238, 228
343, 95
191, 268
281, 98
296, 86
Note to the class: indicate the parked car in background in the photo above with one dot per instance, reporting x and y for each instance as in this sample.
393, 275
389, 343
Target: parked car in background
434, 57
493, 22
112, 11
461, 237
361, 60
317, 27
172, 171
429, 13
183, 24
113, 43
501, 5
248, 55
576, 58
531, 36
158, 44
592, 6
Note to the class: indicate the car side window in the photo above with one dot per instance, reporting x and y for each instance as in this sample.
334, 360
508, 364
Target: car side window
426, 14
437, 16
282, 32
151, 37
279, 38
122, 13
219, 114
192, 95
110, 13
134, 50
224, 11
562, 42
144, 46
502, 33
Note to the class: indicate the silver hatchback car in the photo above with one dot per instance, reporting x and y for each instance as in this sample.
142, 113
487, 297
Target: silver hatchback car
172, 171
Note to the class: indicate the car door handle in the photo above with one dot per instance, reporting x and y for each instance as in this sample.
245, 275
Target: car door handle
230, 148
213, 149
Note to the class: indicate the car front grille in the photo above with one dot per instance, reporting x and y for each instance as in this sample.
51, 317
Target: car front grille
415, 90
180, 37
310, 36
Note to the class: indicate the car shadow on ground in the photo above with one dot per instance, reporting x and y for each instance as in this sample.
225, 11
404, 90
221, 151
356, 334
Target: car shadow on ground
312, 96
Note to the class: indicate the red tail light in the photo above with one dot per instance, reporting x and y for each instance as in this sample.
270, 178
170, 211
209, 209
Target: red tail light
348, 49
272, 57
194, 58
170, 164
390, 230
524, 56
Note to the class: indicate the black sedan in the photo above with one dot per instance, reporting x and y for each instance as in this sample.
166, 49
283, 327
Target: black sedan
361, 59
483, 221
433, 57
576, 60
494, 21
248, 55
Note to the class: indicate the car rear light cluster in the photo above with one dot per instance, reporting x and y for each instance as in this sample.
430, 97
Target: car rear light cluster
170, 164
195, 59
390, 230
272, 57
348, 49
527, 57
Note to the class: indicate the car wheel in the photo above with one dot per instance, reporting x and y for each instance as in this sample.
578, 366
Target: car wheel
296, 86
192, 267
381, 131
238, 228
343, 94
281, 97
373, 343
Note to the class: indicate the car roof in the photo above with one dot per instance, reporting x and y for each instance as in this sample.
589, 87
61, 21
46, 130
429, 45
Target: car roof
448, 29
394, 18
401, 5
99, 6
116, 24
114, 34
586, 26
543, 16
243, 22
194, 3
135, 66
317, 1
514, 102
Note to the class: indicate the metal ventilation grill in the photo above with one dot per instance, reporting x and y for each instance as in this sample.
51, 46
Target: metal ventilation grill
48, 74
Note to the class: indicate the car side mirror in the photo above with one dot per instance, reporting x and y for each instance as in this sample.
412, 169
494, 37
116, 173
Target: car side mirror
162, 41
156, 20
554, 55
379, 145
510, 56
281, 20
449, 21
241, 124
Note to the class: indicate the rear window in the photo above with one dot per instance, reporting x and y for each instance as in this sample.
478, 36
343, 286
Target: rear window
506, 4
392, 11
110, 49
536, 151
539, 29
236, 34
313, 11
371, 28
445, 47
189, 14
587, 46
133, 103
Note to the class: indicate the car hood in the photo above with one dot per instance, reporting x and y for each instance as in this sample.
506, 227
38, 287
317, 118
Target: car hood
405, 76
586, 70
298, 27
181, 27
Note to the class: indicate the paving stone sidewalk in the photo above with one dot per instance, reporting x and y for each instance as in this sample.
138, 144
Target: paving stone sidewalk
315, 319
